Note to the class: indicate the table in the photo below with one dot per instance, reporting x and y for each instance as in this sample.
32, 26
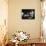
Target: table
33, 42
10, 44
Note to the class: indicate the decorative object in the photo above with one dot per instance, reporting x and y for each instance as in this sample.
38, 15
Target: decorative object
28, 13
23, 36
20, 36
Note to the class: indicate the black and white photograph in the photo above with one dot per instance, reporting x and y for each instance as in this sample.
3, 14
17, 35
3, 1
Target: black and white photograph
28, 13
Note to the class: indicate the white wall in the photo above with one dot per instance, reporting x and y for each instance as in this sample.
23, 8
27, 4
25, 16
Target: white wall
15, 21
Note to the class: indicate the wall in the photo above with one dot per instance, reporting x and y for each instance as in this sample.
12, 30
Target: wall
15, 21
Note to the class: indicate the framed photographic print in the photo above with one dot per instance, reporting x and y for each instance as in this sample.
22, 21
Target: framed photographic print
28, 13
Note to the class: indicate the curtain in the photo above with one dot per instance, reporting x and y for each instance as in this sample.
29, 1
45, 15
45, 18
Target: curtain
44, 20
3, 19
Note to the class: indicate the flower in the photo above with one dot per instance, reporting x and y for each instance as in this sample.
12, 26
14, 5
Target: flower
22, 36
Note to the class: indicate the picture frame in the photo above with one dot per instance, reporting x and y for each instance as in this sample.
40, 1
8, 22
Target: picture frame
28, 13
